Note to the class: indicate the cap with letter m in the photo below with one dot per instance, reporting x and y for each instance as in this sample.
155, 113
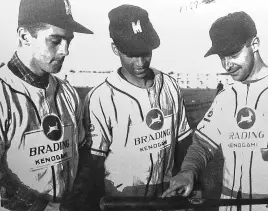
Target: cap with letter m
54, 12
132, 31
229, 33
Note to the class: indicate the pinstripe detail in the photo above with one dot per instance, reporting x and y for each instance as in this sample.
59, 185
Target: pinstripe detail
128, 124
250, 175
106, 136
55, 99
257, 101
235, 100
119, 90
206, 138
103, 113
27, 97
54, 184
115, 110
234, 174
160, 90
69, 104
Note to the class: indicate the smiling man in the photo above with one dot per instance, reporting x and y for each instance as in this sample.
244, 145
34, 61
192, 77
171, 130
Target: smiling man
40, 116
237, 121
136, 116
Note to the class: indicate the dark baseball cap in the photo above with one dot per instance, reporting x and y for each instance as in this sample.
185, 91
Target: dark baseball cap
229, 33
132, 31
54, 12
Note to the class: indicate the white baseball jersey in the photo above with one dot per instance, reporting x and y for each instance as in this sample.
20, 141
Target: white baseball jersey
39, 136
136, 130
238, 122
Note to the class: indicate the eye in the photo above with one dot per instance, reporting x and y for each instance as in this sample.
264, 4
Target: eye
56, 41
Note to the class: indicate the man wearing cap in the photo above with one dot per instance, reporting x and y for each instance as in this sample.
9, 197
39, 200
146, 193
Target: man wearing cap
237, 120
136, 116
40, 116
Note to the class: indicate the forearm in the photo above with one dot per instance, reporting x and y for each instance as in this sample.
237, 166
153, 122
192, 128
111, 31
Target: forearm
198, 155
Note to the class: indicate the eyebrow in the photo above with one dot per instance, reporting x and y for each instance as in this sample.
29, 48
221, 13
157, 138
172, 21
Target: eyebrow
61, 36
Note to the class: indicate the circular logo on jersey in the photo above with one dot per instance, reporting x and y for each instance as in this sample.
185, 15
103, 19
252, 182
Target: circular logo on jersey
155, 119
245, 118
52, 127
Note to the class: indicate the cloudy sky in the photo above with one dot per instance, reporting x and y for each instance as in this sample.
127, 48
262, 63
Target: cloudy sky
184, 34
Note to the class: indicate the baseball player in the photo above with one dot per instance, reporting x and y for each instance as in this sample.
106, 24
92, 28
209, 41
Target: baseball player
136, 116
40, 115
237, 119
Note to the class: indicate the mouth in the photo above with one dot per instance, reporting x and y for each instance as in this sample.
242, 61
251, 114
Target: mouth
230, 72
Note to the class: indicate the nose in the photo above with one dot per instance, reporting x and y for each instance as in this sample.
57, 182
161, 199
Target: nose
227, 63
140, 61
64, 48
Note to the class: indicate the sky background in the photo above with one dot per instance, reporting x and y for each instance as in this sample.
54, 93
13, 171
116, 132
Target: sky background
184, 35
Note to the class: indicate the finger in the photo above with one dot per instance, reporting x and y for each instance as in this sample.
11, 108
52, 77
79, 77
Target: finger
187, 191
170, 190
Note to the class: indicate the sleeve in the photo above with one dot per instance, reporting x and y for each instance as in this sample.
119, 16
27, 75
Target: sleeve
97, 124
81, 130
14, 194
79, 116
209, 129
206, 140
184, 129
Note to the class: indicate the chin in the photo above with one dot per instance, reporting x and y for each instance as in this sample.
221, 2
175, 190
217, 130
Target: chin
56, 70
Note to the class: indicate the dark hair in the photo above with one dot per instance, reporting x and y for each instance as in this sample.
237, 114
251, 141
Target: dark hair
33, 28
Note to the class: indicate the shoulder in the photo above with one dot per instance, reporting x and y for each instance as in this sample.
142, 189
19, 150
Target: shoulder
67, 89
97, 93
165, 77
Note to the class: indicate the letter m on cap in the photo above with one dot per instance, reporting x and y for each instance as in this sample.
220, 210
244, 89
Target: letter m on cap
67, 7
136, 27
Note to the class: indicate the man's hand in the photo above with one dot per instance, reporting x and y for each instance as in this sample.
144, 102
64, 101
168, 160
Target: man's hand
181, 184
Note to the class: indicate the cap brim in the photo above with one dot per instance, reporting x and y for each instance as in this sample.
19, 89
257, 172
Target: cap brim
210, 52
77, 27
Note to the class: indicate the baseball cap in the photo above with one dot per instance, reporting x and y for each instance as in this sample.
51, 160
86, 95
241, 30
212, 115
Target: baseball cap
54, 12
132, 31
229, 33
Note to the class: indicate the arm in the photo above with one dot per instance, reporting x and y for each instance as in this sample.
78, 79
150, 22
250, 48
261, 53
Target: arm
200, 152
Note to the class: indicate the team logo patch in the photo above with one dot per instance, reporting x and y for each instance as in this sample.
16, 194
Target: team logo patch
52, 127
136, 27
67, 7
155, 119
245, 118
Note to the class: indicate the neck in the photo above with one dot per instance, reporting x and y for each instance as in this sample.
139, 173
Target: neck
259, 69
145, 82
26, 55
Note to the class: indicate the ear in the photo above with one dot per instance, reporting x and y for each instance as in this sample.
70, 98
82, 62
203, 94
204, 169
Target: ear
24, 36
255, 43
115, 49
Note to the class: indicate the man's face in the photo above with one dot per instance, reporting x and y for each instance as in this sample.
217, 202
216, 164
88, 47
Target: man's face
136, 66
240, 64
49, 49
